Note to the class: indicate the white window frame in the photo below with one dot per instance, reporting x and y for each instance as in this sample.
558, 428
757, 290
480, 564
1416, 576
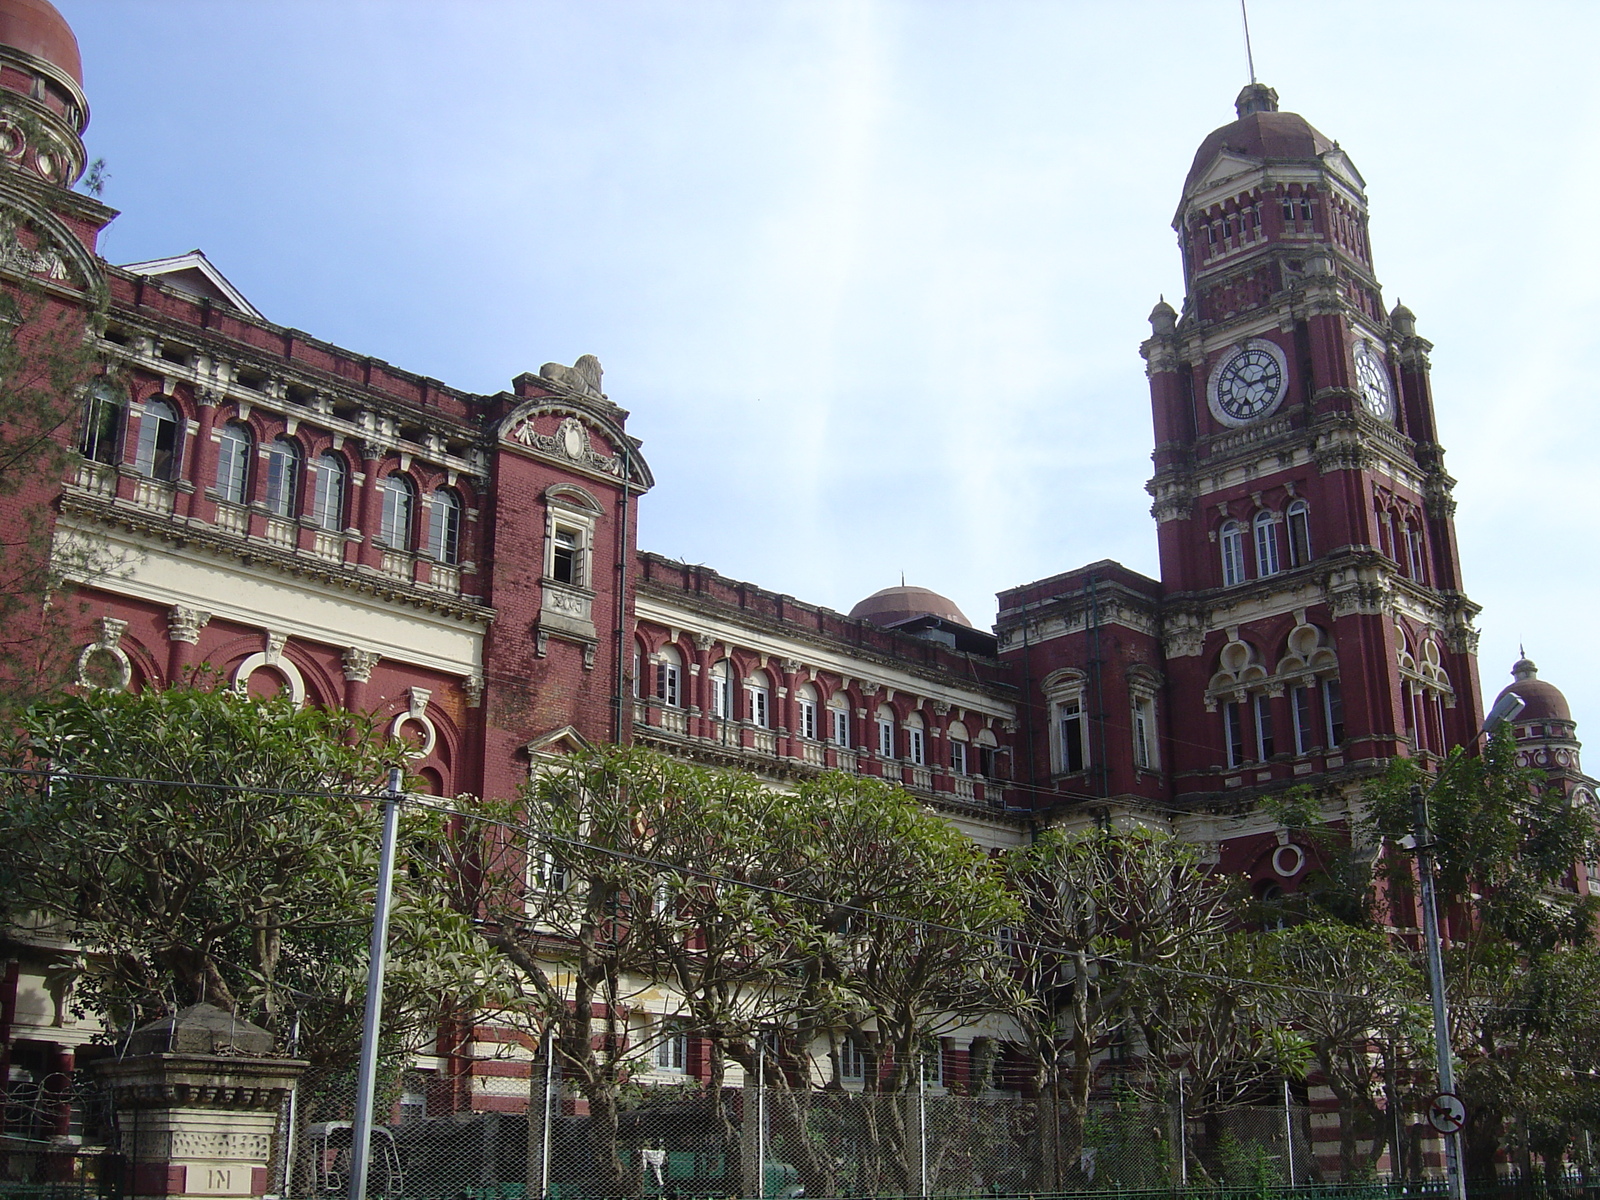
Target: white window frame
958, 757
1304, 718
670, 1055
1070, 709
839, 727
332, 475
1145, 754
759, 702
235, 446
1231, 542
1233, 734
916, 746
852, 1061
721, 689
1261, 714
1268, 560
669, 683
886, 746
1332, 699
806, 718
1297, 517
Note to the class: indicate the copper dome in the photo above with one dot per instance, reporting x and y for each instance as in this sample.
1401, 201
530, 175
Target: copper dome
1260, 132
1543, 701
34, 26
892, 605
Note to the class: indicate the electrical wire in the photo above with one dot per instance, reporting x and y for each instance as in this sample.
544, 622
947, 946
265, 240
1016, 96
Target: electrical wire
438, 805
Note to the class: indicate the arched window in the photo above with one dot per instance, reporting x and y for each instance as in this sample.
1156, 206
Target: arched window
328, 499
1267, 544
758, 695
805, 699
283, 477
157, 455
957, 733
669, 677
916, 743
101, 440
839, 719
444, 526
1298, 516
1416, 564
722, 689
399, 501
233, 462
885, 722
1231, 539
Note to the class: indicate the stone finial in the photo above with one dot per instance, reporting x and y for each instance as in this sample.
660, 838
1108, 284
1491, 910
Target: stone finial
1163, 318
1255, 98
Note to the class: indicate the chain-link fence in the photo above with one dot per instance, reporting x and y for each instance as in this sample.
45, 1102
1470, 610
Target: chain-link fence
508, 1138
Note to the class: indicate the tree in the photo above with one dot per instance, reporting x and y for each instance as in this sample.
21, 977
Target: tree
200, 845
1112, 919
47, 364
1518, 932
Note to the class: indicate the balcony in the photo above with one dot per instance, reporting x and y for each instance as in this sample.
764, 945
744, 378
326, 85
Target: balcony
763, 741
672, 720
282, 532
443, 578
154, 495
97, 479
847, 760
397, 564
328, 546
233, 519
814, 753
963, 787
921, 778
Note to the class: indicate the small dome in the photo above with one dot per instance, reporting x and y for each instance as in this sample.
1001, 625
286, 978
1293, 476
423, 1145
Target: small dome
1260, 132
895, 604
1544, 701
36, 27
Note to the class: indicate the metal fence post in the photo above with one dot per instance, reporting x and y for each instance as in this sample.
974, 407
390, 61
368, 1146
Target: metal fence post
1288, 1130
761, 1119
922, 1123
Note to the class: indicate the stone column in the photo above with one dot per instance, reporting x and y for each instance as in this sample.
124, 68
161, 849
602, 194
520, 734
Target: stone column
700, 722
198, 1096
788, 709
371, 508
202, 455
358, 664
183, 635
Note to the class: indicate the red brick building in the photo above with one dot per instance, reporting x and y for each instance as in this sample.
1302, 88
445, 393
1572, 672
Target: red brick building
296, 515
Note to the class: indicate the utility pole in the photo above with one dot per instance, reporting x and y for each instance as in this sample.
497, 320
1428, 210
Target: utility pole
367, 1080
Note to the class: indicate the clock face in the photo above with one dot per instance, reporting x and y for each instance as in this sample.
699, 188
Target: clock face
1249, 383
1372, 380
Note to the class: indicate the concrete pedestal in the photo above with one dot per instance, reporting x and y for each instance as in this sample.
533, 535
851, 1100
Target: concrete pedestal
197, 1100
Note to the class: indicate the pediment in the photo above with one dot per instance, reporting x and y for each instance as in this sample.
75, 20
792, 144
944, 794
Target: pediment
559, 743
1338, 162
1226, 165
571, 436
194, 273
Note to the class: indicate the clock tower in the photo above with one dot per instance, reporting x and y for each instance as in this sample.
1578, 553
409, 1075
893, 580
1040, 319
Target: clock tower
1312, 615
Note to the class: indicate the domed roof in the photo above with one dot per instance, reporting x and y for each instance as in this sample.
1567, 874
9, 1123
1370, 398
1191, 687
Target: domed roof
37, 28
892, 605
1260, 132
1544, 701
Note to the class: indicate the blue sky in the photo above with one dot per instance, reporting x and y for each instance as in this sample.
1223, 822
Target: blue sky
871, 277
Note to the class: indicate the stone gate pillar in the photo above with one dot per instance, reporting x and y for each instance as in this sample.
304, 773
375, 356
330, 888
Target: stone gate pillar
197, 1098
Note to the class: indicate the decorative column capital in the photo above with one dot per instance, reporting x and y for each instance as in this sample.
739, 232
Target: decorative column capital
184, 624
358, 664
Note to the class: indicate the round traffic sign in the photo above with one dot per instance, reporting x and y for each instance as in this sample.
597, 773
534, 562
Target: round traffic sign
1446, 1113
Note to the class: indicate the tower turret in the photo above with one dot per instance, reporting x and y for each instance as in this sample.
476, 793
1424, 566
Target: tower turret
43, 112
